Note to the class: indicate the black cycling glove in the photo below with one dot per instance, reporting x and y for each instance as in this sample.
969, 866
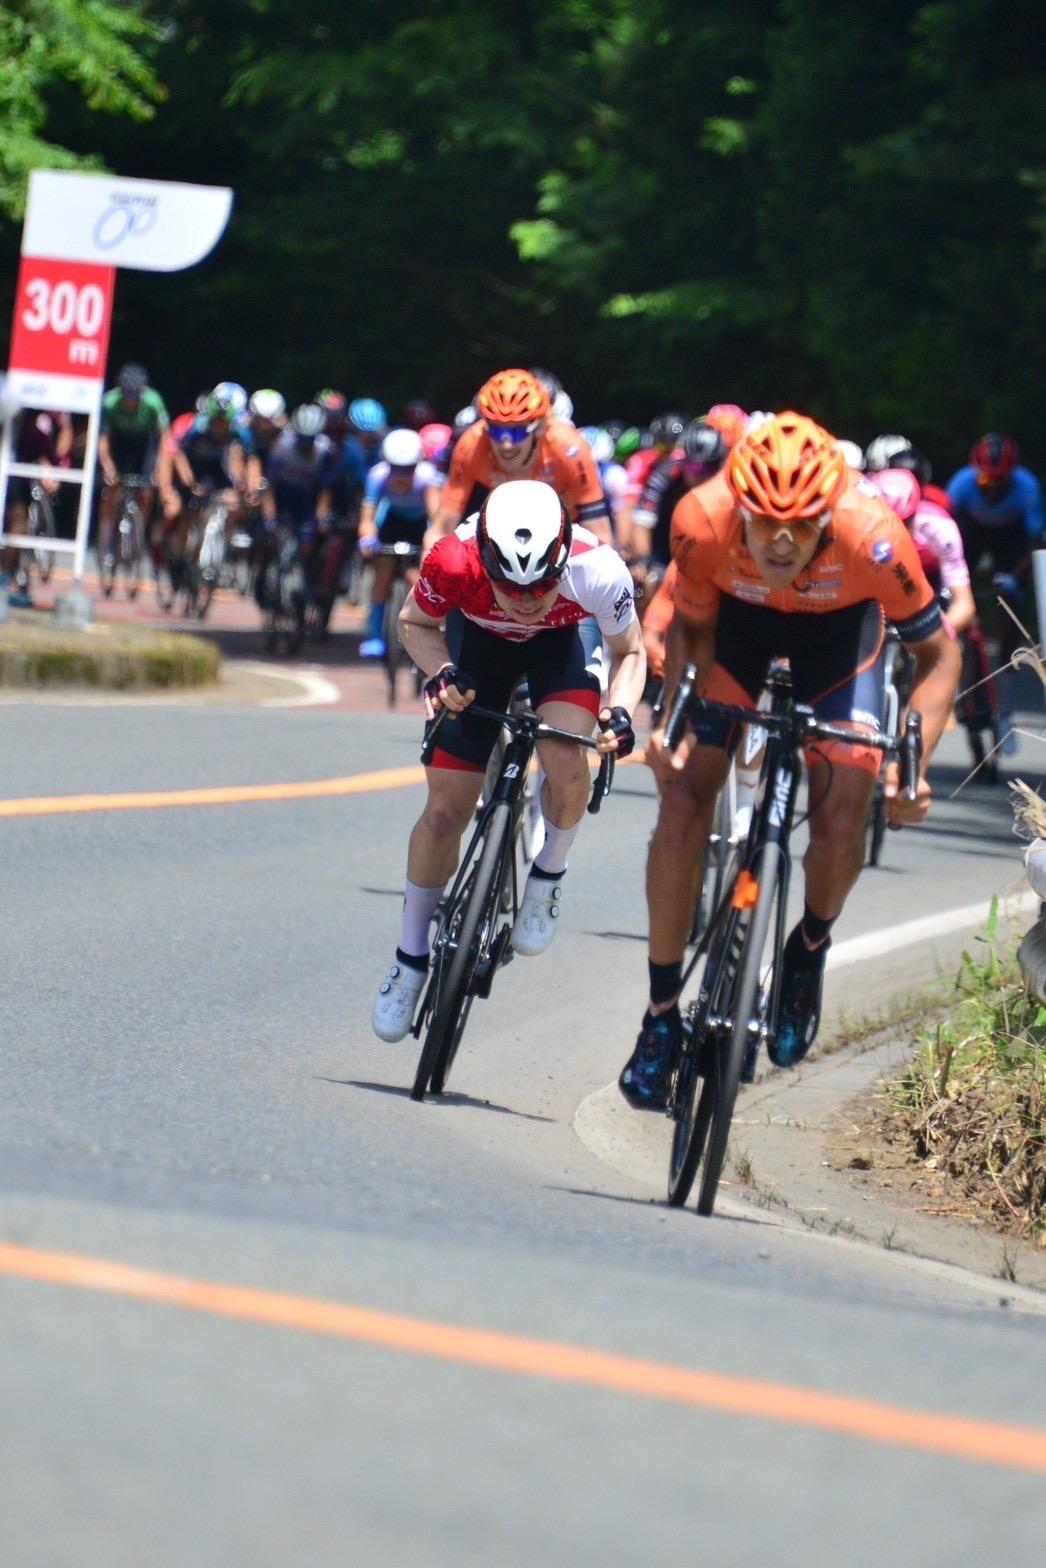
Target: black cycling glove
449, 675
620, 724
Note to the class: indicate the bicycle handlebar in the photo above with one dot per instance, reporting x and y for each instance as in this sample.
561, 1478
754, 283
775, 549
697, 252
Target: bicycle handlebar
800, 725
529, 724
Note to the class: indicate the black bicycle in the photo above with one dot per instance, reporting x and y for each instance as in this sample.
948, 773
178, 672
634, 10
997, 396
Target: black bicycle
127, 545
474, 932
406, 556
736, 1009
898, 666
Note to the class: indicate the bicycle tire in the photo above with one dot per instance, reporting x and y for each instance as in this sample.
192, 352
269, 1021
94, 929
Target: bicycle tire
692, 1106
131, 550
394, 650
723, 1083
877, 819
443, 1034
42, 525
721, 867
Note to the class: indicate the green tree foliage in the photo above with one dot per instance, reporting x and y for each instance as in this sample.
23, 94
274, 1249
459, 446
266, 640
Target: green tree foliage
783, 201
46, 45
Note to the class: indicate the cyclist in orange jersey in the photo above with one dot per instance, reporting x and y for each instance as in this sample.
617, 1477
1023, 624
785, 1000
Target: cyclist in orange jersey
785, 553
516, 438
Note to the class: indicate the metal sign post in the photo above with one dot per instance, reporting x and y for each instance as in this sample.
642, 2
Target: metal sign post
78, 229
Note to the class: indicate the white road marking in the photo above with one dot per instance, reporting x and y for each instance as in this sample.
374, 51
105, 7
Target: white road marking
874, 944
317, 692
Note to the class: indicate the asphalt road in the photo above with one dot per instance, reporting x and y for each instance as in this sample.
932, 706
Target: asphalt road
190, 1087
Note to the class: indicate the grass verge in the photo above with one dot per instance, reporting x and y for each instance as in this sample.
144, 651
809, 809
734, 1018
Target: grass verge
105, 657
971, 1105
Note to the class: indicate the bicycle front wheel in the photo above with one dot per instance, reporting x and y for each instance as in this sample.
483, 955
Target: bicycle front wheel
748, 1013
467, 922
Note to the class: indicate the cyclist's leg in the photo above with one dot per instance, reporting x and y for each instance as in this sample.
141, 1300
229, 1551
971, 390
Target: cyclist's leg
835, 668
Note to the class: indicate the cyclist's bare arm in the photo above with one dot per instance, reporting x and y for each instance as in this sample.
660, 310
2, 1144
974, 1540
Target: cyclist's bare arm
962, 609
423, 638
237, 465
627, 676
367, 529
105, 460
688, 642
444, 522
938, 663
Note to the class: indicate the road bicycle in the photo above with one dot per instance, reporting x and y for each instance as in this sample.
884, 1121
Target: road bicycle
406, 557
736, 1009
474, 922
41, 525
897, 667
128, 538
281, 590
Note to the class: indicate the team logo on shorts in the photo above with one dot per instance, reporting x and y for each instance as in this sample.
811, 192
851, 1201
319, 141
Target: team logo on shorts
882, 552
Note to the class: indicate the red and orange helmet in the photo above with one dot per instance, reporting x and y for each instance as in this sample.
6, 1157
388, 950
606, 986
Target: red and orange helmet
512, 397
995, 458
787, 468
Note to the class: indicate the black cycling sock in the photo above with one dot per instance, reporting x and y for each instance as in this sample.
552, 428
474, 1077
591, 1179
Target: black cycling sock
547, 876
665, 980
815, 930
671, 1013
412, 960
797, 956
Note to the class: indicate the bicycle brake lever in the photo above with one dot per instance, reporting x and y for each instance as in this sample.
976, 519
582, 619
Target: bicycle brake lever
680, 702
432, 729
912, 754
604, 780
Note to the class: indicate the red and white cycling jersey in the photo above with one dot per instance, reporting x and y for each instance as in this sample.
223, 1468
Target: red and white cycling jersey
595, 583
935, 528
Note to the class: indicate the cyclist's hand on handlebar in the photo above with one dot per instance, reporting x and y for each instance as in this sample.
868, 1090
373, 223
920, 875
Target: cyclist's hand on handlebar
900, 811
665, 764
368, 543
616, 733
449, 688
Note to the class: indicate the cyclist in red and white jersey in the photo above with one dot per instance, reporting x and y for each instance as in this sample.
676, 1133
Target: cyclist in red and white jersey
513, 588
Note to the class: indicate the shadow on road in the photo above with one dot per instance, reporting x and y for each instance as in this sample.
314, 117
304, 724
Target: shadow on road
648, 1203
463, 1101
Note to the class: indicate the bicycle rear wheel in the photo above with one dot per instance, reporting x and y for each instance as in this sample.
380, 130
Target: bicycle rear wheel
751, 995
464, 927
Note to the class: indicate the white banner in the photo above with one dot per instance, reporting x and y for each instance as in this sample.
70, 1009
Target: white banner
151, 225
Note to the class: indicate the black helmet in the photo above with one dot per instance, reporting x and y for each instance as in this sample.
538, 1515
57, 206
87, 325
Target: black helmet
132, 380
702, 443
666, 429
914, 462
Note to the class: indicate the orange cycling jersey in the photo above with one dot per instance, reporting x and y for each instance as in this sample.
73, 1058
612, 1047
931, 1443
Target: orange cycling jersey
562, 460
866, 553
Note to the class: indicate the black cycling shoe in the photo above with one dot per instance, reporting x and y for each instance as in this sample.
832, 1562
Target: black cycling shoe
802, 979
647, 1075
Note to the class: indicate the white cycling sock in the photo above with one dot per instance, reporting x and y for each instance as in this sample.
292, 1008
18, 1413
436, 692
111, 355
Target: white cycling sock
419, 906
552, 856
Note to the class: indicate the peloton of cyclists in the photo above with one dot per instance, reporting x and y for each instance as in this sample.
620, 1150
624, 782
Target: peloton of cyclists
523, 579
788, 553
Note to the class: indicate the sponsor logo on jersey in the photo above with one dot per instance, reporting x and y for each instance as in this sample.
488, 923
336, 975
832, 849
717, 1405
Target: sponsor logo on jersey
860, 717
622, 602
904, 577
748, 590
882, 552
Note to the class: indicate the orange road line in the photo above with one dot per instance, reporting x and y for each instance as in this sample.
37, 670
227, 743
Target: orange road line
987, 1442
223, 795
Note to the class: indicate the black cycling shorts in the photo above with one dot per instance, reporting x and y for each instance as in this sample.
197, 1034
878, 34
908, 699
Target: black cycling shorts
396, 529
835, 662
133, 454
558, 666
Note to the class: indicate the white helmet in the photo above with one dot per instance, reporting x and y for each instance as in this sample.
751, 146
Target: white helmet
878, 454
308, 421
852, 454
523, 533
232, 393
602, 444
563, 406
402, 449
267, 404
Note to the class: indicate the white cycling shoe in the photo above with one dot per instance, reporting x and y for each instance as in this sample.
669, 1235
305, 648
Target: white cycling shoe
396, 1000
538, 915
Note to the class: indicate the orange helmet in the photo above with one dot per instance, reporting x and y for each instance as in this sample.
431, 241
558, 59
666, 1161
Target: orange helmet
787, 468
512, 397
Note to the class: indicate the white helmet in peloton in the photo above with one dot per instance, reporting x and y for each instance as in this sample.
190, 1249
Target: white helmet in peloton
402, 449
879, 452
524, 533
852, 454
